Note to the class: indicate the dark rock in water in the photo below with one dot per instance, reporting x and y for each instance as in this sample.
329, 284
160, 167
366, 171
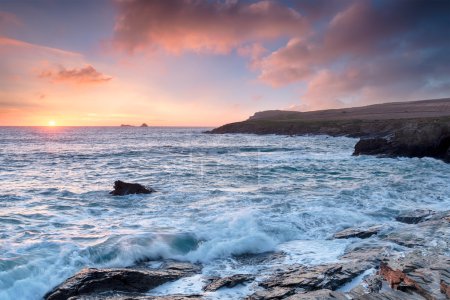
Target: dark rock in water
126, 125
323, 294
355, 232
90, 282
371, 146
260, 258
144, 125
415, 216
430, 139
425, 275
229, 282
272, 294
124, 188
136, 297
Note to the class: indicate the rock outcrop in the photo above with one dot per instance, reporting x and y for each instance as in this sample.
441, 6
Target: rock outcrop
415, 216
144, 125
229, 282
122, 188
357, 232
426, 275
420, 139
90, 282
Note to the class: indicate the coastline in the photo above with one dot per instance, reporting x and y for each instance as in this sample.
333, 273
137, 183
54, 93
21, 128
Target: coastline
384, 129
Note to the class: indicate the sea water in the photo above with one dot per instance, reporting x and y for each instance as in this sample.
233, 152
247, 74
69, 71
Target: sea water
218, 197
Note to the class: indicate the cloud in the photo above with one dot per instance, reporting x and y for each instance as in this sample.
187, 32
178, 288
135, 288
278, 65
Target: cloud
87, 74
202, 26
368, 51
8, 20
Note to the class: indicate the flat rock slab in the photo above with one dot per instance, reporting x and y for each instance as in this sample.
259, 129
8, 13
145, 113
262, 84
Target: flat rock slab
431, 234
122, 188
91, 281
356, 232
415, 216
426, 275
229, 282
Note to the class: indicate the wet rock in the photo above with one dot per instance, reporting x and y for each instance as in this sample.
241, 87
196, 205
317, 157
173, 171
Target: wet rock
318, 295
433, 234
415, 216
122, 188
136, 297
91, 281
229, 282
317, 277
415, 139
144, 125
418, 273
274, 293
370, 285
297, 280
260, 258
372, 146
356, 232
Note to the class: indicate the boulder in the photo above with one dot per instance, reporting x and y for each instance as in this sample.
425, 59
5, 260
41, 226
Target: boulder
90, 282
144, 125
415, 216
122, 188
356, 232
229, 282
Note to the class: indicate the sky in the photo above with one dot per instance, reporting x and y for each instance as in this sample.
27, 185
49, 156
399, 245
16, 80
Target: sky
210, 62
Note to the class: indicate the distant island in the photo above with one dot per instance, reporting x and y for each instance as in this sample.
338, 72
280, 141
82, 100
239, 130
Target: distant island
127, 125
412, 129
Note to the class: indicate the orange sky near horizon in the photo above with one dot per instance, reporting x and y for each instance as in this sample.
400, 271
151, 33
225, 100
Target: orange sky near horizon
206, 63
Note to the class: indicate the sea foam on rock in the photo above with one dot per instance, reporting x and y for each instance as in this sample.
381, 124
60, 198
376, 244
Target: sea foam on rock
91, 282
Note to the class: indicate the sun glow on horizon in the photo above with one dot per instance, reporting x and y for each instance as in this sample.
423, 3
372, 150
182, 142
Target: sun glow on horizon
51, 123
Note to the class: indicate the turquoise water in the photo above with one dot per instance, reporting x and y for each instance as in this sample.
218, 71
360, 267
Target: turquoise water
218, 196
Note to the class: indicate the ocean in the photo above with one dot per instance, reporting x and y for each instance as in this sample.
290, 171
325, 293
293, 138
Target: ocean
219, 198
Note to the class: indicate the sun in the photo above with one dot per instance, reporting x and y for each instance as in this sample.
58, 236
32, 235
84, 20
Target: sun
51, 123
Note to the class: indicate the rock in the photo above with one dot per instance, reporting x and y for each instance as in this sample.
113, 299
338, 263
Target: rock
144, 125
415, 216
370, 285
417, 273
372, 146
137, 297
414, 139
260, 258
318, 295
124, 188
91, 281
355, 232
317, 277
272, 294
229, 282
433, 234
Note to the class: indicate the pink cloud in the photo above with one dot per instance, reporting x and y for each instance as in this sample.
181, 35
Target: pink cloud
87, 74
202, 26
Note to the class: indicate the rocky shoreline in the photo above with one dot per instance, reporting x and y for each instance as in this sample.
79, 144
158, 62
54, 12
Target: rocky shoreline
412, 129
408, 260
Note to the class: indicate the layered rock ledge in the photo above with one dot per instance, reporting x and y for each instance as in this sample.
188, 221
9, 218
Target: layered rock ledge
409, 258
